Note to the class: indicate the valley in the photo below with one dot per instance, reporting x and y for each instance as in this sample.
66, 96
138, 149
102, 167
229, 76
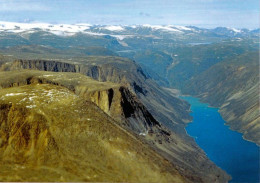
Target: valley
104, 99
164, 137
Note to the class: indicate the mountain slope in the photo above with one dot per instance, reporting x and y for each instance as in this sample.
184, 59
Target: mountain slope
48, 133
233, 85
117, 70
127, 110
191, 61
134, 102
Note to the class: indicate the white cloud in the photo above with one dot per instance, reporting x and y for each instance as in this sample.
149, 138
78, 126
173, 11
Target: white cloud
22, 5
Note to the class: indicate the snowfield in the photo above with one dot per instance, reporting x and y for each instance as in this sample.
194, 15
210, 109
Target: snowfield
119, 32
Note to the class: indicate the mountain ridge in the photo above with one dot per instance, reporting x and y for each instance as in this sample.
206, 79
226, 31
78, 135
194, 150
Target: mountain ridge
173, 146
36, 146
134, 100
100, 30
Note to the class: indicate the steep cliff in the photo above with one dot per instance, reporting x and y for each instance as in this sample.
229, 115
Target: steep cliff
123, 106
165, 108
47, 133
128, 112
115, 100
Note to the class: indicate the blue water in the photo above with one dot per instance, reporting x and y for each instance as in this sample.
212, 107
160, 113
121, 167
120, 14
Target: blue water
226, 148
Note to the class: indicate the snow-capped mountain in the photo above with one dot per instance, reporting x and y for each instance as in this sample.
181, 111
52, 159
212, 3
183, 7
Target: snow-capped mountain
117, 31
116, 37
75, 28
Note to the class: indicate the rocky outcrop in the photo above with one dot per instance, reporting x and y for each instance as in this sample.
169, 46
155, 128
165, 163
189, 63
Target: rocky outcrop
124, 107
47, 133
24, 140
127, 111
116, 101
171, 111
44, 65
94, 71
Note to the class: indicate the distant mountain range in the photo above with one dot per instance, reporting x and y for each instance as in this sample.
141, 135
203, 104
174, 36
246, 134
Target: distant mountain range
118, 31
129, 67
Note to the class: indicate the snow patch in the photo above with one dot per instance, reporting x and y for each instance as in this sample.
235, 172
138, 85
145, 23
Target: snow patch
114, 28
164, 28
235, 30
183, 28
95, 34
121, 37
31, 98
31, 106
142, 134
47, 75
58, 29
14, 94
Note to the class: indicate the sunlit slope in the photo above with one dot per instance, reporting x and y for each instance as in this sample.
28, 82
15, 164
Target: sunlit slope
129, 113
50, 134
170, 110
114, 99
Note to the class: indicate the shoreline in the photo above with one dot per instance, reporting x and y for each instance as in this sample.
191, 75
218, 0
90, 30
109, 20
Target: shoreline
218, 110
203, 143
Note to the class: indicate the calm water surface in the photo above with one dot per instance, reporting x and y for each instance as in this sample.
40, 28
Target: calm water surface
226, 148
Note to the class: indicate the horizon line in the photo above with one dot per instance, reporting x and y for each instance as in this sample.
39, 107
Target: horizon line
206, 26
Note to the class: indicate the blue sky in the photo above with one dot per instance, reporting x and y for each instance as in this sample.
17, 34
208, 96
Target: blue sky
203, 13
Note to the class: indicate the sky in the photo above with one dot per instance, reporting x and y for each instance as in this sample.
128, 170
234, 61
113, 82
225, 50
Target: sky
201, 13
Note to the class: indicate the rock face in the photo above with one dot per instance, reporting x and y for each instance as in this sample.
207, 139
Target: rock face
115, 100
47, 133
123, 106
233, 86
48, 66
128, 112
125, 72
